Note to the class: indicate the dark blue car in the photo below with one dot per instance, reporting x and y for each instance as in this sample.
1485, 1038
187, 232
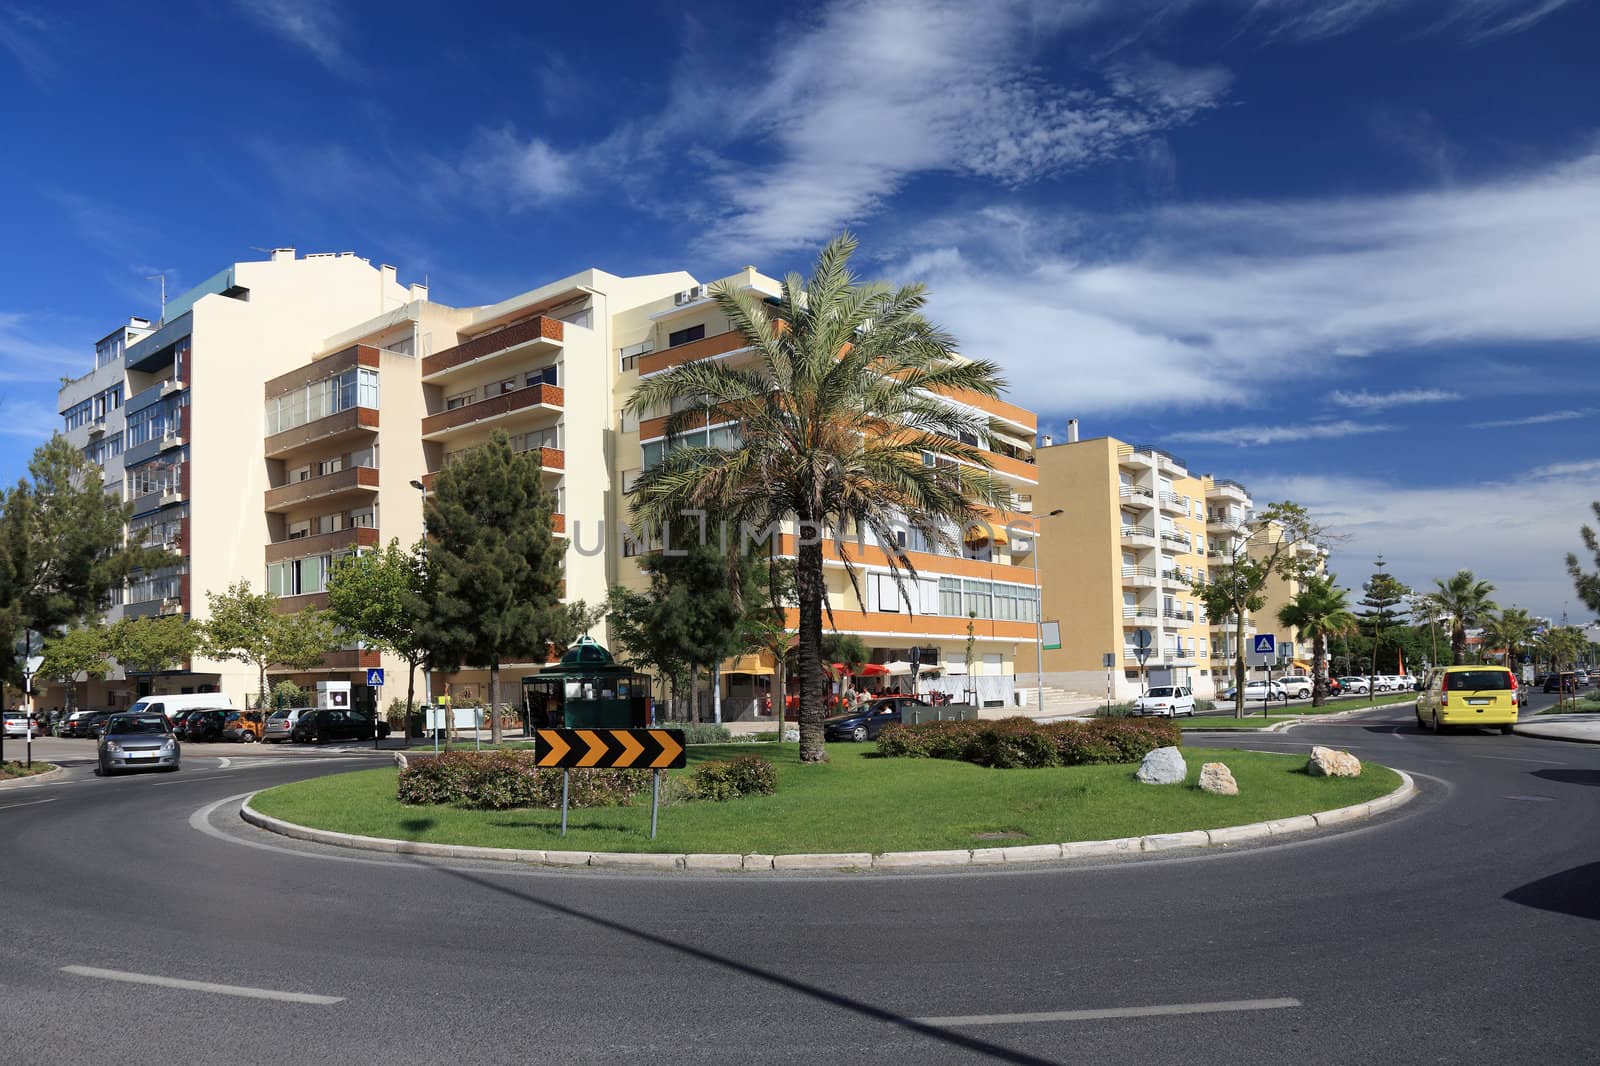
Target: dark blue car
867, 722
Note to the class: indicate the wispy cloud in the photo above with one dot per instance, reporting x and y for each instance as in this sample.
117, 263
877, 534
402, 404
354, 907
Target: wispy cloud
1545, 418
1307, 20
313, 25
29, 420
1378, 401
31, 352
23, 34
1245, 435
1210, 304
1557, 470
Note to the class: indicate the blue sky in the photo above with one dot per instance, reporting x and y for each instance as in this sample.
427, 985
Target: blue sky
1345, 252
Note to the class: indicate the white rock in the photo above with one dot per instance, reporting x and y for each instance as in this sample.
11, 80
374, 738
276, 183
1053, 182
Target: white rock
1216, 777
1330, 762
1163, 766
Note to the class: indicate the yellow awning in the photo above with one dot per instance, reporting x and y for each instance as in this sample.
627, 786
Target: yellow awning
749, 664
984, 531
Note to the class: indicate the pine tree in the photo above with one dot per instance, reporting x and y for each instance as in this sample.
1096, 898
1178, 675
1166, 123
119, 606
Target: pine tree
1383, 610
496, 568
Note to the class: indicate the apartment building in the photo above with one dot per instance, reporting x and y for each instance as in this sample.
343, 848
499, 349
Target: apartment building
986, 592
369, 388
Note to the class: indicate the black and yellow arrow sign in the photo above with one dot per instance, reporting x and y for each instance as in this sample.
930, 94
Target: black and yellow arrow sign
609, 749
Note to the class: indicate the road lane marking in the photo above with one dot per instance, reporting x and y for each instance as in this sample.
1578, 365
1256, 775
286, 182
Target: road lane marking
30, 803
223, 762
201, 986
1111, 1012
1519, 758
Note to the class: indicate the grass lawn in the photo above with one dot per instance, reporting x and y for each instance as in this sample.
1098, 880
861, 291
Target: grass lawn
1228, 721
10, 770
1584, 706
856, 802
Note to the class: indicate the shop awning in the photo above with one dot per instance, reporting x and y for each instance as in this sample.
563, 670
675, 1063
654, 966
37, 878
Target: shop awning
898, 669
749, 664
983, 531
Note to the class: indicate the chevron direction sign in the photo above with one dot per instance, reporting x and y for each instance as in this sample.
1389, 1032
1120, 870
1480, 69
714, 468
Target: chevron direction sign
609, 749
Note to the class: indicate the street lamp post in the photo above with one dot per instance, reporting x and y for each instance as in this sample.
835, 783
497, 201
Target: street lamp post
1038, 609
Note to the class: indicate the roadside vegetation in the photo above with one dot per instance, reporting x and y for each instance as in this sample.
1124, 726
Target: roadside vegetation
12, 770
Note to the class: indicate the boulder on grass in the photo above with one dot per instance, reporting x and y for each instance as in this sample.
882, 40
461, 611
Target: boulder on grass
400, 760
1163, 766
1330, 762
1216, 777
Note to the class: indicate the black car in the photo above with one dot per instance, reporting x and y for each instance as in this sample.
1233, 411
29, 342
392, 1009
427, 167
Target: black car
1566, 682
201, 725
91, 725
865, 723
318, 727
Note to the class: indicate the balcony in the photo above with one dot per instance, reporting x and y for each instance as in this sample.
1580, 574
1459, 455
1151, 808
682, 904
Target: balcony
1230, 490
1137, 613
1174, 541
1139, 576
1139, 535
154, 501
1172, 503
350, 424
1225, 521
704, 348
296, 604
551, 461
353, 481
1175, 620
535, 336
1137, 496
154, 394
1165, 461
1016, 469
322, 543
534, 399
344, 659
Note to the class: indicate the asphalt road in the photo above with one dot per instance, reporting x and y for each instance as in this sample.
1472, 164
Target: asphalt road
1464, 928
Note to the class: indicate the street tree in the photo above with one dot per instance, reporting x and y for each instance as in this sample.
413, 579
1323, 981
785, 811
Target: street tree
1511, 629
1319, 611
151, 645
635, 619
842, 425
1467, 602
1383, 614
1588, 583
496, 567
82, 650
245, 626
381, 598
1270, 548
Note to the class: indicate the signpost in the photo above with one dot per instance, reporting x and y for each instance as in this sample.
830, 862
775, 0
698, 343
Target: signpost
1141, 651
1264, 650
375, 677
1108, 660
30, 667
610, 749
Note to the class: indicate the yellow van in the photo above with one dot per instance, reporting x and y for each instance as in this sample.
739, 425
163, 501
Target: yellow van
1472, 696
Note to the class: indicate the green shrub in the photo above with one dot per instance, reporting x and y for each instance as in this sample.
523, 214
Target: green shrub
502, 780
703, 732
1021, 743
748, 775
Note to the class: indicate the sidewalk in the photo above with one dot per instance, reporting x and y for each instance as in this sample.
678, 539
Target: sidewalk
1584, 728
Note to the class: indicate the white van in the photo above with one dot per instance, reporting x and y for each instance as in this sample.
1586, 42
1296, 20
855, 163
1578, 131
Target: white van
188, 701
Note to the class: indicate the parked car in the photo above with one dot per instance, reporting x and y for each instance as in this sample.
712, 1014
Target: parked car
94, 724
1298, 686
281, 723
136, 742
171, 703
1334, 687
1563, 682
1483, 696
15, 724
203, 725
1355, 685
866, 722
1168, 700
1259, 690
243, 727
318, 727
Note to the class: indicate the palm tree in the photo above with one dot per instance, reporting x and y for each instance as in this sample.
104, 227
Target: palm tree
1466, 600
1510, 630
1319, 611
1429, 610
843, 429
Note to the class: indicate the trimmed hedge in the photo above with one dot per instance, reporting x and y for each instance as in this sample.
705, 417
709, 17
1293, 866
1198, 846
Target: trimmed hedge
1022, 743
701, 732
501, 780
748, 775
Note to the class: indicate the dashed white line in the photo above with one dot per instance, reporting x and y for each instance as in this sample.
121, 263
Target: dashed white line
1111, 1012
30, 803
1518, 758
202, 986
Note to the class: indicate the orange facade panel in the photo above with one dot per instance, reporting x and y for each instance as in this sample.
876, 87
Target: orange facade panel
704, 348
538, 328
997, 407
496, 406
920, 625
926, 564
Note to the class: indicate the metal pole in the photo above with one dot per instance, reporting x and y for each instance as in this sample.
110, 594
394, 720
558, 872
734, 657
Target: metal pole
566, 775
1038, 620
655, 801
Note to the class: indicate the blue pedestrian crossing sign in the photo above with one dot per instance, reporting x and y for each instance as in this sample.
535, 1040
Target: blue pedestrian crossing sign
375, 677
1266, 644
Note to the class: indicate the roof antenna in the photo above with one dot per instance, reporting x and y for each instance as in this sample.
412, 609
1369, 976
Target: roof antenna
163, 279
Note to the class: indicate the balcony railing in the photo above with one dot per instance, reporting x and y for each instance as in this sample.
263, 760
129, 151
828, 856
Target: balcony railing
1138, 532
322, 543
536, 333
361, 479
352, 421
1139, 612
1171, 501
1139, 574
704, 348
533, 397
1137, 495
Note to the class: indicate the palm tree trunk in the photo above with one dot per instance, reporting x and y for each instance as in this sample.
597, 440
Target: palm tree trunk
809, 590
1458, 644
1319, 669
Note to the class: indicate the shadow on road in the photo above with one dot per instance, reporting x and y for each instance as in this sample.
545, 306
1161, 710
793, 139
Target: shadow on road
821, 995
1575, 892
1570, 777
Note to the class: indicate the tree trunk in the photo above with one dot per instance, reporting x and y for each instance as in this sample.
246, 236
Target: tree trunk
411, 688
1319, 670
780, 692
809, 588
716, 693
1238, 665
261, 686
1458, 644
494, 701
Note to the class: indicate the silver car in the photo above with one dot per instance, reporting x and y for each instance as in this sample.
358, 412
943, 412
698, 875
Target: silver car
137, 742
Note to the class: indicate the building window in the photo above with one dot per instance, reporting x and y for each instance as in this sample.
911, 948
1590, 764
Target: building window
685, 336
356, 387
628, 357
950, 596
460, 399
549, 375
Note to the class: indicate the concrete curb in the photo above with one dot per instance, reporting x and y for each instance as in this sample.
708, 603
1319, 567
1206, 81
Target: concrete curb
34, 779
854, 861
1547, 731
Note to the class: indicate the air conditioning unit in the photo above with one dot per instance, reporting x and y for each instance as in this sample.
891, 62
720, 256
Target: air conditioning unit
687, 296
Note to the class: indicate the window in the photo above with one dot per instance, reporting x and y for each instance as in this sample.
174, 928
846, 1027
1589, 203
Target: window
356, 387
950, 596
460, 399
329, 466
549, 375
628, 420
977, 599
685, 336
77, 415
629, 357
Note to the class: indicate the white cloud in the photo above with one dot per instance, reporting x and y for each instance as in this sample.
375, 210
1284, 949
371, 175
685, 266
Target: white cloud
1316, 19
29, 352
23, 34
30, 420
1246, 435
1377, 401
1213, 304
311, 24
1536, 420
1560, 470
1514, 533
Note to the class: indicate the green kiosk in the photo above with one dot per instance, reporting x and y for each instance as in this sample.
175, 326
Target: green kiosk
588, 688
